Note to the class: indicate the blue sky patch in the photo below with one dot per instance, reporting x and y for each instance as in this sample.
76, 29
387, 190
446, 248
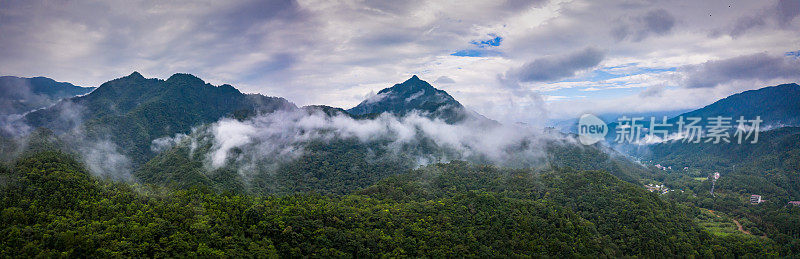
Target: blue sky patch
493, 42
607, 73
483, 48
606, 90
475, 53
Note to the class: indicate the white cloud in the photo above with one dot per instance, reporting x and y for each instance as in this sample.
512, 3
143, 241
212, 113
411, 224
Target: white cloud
334, 52
280, 137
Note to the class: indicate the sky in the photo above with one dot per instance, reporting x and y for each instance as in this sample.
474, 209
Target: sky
514, 61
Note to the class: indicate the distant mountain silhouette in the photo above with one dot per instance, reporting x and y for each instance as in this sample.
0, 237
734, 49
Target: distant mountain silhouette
22, 94
777, 106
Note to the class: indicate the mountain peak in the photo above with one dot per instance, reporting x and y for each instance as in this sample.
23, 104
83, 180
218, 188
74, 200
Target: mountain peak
411, 86
185, 78
135, 75
412, 95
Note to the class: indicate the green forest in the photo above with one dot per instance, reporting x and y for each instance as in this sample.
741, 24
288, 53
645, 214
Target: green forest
768, 168
53, 207
339, 195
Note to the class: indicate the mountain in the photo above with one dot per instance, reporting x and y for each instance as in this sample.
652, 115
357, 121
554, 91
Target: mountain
767, 167
571, 125
256, 176
413, 95
22, 94
777, 106
329, 150
132, 111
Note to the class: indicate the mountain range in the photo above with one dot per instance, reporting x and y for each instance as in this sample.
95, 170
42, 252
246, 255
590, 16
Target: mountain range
408, 172
777, 106
132, 111
22, 94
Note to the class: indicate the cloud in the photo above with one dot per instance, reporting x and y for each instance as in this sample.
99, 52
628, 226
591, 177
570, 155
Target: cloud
493, 42
103, 158
272, 139
746, 23
780, 15
652, 91
760, 66
787, 11
164, 143
340, 50
557, 67
657, 22
444, 80
101, 155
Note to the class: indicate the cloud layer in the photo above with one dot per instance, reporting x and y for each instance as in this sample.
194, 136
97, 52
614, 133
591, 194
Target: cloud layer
266, 141
557, 67
334, 52
760, 66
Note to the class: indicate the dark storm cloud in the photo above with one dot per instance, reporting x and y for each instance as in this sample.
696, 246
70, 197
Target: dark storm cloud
654, 22
557, 67
759, 66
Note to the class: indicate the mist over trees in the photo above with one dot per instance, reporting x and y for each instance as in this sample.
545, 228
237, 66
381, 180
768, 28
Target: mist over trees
177, 167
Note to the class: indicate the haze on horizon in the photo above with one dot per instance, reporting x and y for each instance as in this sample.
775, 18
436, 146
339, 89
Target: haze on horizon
514, 61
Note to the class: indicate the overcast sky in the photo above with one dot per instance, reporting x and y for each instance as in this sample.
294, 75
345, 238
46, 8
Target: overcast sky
515, 61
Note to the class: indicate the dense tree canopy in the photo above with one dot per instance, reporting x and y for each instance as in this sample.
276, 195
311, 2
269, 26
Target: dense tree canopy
51, 207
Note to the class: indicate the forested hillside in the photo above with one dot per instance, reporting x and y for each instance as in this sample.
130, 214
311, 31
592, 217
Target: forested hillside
217, 172
769, 167
341, 165
400, 129
52, 206
133, 111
